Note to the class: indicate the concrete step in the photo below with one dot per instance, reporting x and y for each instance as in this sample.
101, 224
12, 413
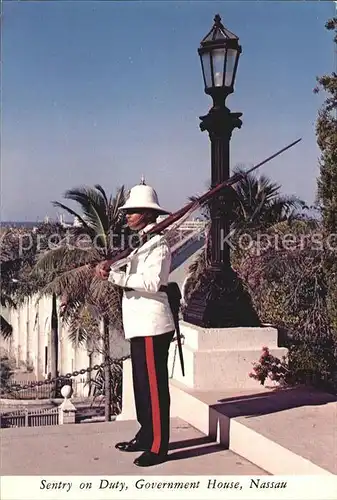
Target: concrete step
209, 368
216, 355
89, 449
286, 432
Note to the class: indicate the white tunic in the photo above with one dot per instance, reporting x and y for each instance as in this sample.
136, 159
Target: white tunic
146, 310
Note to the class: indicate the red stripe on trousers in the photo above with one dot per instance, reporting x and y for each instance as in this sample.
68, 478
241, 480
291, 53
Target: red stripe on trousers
151, 369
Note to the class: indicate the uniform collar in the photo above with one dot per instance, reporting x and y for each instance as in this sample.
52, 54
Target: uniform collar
147, 228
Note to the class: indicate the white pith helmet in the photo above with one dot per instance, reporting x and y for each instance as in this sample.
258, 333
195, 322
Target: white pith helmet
143, 196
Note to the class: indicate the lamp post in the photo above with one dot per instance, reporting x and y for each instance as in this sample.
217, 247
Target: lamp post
215, 302
219, 54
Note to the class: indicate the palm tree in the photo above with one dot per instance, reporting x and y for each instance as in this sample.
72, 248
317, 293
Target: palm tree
256, 204
15, 264
72, 266
7, 289
10, 265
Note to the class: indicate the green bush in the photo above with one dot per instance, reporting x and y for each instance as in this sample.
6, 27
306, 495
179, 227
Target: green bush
290, 289
7, 365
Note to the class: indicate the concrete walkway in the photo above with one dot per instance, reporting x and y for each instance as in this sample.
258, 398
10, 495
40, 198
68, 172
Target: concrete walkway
88, 448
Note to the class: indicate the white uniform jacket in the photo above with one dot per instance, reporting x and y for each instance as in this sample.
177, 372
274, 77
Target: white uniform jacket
146, 310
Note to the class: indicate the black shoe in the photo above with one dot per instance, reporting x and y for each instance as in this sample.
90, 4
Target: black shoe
147, 459
132, 445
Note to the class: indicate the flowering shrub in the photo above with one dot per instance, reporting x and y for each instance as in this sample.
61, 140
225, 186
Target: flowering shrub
271, 367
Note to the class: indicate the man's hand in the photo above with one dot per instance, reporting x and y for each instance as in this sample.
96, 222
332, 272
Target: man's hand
117, 278
102, 270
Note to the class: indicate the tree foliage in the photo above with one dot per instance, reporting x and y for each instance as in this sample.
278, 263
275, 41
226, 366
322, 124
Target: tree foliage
256, 205
18, 254
290, 290
70, 265
326, 133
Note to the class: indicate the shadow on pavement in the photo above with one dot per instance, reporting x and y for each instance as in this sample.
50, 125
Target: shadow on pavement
270, 402
195, 452
177, 445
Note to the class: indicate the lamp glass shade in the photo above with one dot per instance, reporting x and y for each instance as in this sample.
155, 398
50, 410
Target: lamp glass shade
232, 54
206, 69
218, 57
219, 53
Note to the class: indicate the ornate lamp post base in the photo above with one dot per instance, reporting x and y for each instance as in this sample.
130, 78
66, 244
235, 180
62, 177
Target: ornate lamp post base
220, 301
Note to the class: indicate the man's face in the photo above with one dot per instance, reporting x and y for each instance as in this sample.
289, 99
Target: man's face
138, 220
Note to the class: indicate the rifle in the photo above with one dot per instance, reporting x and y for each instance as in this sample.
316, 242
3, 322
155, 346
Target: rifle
121, 258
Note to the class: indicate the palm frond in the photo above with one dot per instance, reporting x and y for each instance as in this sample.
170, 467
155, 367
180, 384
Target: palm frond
77, 335
70, 211
103, 193
93, 206
281, 207
259, 203
290, 201
87, 299
65, 258
6, 330
116, 217
84, 326
107, 299
7, 300
73, 283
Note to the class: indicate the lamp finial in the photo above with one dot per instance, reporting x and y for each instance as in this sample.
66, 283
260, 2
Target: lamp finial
217, 19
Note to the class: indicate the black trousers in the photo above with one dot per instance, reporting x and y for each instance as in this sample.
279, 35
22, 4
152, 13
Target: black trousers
149, 356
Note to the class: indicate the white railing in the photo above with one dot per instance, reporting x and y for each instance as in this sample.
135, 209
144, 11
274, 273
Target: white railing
30, 418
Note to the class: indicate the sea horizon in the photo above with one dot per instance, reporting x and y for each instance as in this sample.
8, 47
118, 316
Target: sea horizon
27, 224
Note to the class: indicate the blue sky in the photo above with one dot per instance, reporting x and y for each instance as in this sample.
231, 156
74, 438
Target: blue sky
103, 91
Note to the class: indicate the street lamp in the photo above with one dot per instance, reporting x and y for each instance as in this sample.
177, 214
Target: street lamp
219, 54
215, 302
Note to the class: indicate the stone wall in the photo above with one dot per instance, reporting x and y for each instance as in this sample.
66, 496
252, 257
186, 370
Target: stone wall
30, 342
